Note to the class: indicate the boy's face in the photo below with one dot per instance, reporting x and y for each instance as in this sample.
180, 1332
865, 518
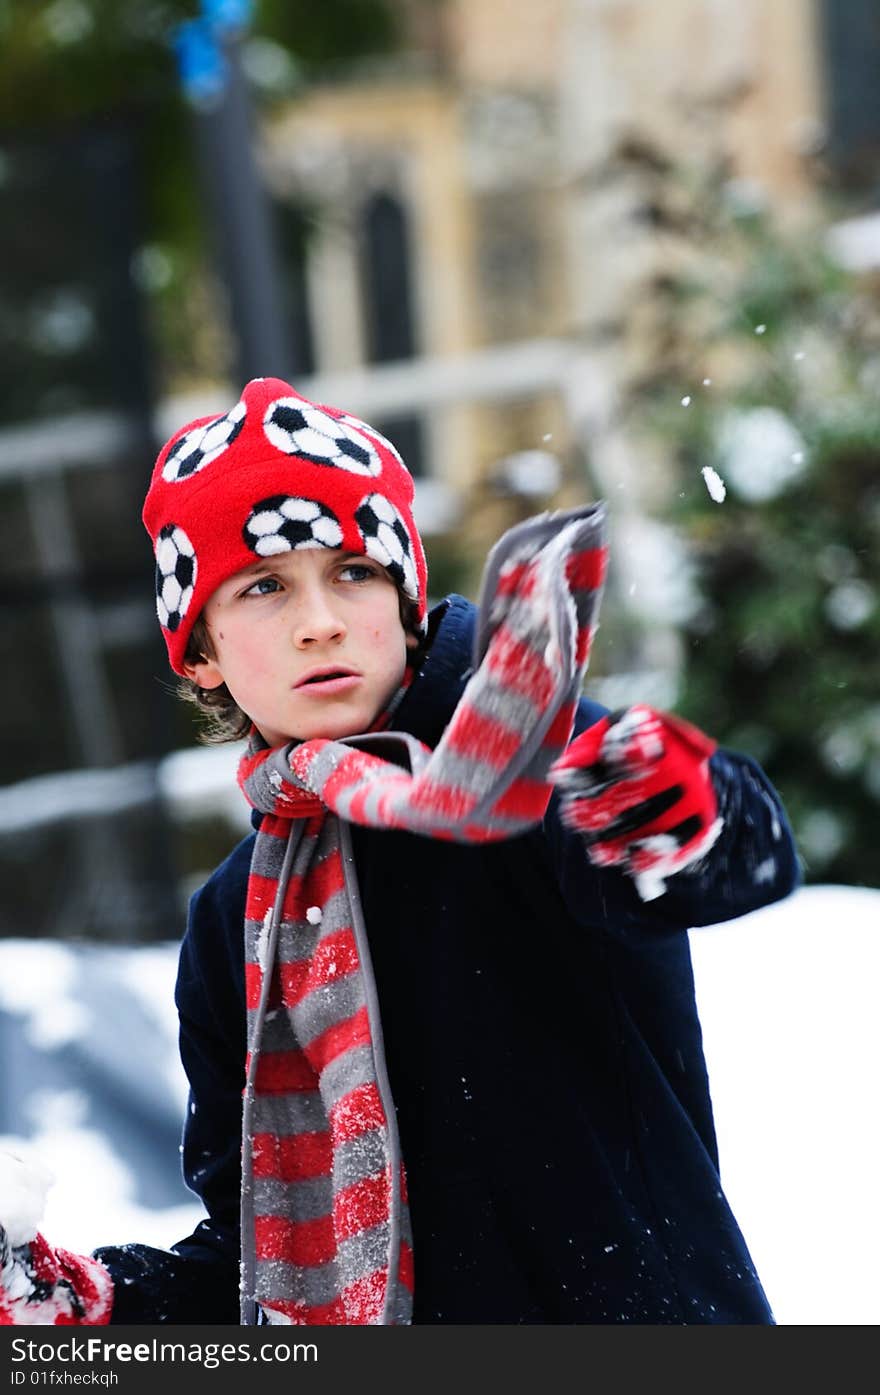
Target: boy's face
309, 643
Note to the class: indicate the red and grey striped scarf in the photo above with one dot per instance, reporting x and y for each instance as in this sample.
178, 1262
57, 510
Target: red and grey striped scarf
325, 1227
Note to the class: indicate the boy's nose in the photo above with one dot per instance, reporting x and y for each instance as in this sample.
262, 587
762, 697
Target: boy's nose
317, 622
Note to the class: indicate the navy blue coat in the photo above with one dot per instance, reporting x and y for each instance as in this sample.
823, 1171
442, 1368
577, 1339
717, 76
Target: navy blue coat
545, 1058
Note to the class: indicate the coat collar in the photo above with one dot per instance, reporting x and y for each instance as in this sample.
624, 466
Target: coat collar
440, 681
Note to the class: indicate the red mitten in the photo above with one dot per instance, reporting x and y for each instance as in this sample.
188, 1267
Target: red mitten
42, 1285
39, 1284
637, 785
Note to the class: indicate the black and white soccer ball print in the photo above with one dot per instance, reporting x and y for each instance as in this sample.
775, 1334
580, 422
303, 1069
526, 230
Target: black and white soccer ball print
373, 434
387, 540
284, 523
202, 445
176, 569
300, 429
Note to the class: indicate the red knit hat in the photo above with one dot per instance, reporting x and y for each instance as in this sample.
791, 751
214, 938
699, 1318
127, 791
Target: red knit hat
276, 473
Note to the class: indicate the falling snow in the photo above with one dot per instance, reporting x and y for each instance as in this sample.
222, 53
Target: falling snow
715, 484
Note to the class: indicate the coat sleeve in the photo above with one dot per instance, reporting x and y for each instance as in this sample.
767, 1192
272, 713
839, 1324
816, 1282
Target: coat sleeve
196, 1281
752, 864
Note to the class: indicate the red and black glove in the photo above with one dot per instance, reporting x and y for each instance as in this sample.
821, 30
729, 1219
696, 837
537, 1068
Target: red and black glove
38, 1284
637, 785
51, 1288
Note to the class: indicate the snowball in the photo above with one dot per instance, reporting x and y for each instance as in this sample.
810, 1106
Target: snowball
24, 1182
313, 915
714, 483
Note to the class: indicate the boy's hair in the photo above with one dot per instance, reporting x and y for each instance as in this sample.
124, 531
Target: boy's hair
225, 721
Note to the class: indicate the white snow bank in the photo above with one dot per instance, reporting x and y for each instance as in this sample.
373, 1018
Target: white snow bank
791, 1031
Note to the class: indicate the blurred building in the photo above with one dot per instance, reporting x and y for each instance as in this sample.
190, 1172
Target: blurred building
489, 195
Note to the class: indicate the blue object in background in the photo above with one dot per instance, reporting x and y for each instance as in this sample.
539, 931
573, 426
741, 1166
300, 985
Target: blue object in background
204, 71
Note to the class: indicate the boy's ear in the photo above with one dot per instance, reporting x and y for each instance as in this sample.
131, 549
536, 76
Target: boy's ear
205, 674
412, 641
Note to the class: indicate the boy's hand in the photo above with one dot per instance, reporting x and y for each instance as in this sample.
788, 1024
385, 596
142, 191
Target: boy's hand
637, 786
38, 1284
43, 1286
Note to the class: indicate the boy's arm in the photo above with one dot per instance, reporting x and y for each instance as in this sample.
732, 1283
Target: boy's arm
705, 824
193, 1282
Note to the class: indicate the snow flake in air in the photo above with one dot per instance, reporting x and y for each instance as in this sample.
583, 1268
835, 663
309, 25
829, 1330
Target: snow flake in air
715, 484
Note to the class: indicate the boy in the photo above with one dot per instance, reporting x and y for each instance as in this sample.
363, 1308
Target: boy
439, 1027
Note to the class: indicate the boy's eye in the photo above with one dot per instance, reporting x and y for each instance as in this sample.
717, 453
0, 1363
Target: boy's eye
357, 571
263, 586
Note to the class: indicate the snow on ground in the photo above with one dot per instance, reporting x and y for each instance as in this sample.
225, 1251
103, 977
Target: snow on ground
787, 1002
91, 1201
93, 1084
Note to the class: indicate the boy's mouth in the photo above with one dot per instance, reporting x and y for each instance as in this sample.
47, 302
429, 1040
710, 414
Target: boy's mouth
328, 679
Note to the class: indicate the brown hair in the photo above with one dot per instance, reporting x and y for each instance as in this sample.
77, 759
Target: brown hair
225, 720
